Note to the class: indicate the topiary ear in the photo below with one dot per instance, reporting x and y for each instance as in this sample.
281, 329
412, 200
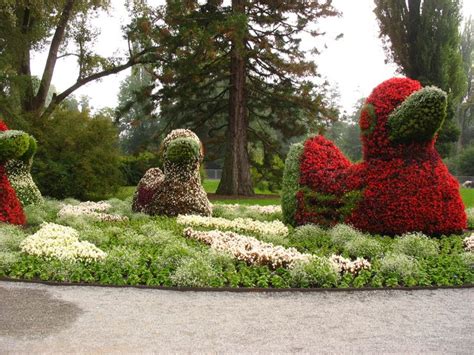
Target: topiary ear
31, 151
13, 144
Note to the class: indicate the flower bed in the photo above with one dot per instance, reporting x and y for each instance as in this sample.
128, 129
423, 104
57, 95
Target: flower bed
60, 242
238, 224
95, 210
150, 250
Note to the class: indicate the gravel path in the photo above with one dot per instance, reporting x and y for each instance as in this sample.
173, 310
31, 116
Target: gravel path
39, 318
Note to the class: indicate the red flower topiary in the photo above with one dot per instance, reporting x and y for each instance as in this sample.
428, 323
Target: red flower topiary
402, 185
10, 207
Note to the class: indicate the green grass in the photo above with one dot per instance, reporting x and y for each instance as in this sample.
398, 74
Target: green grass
467, 197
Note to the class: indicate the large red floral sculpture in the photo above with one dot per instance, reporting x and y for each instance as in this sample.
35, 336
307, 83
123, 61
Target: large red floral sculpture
402, 184
12, 145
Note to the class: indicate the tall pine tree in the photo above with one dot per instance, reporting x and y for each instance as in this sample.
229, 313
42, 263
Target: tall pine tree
238, 67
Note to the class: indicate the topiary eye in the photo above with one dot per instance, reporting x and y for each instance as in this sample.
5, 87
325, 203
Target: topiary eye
368, 119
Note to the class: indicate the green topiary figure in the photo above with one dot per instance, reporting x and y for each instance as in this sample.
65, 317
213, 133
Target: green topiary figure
18, 171
178, 189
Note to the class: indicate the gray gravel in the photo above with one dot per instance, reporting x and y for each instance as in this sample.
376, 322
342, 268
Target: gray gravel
39, 318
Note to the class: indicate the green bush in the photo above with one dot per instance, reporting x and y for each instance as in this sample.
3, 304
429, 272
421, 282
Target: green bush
343, 233
465, 162
317, 273
290, 183
77, 156
133, 167
416, 245
182, 151
195, 272
400, 267
363, 247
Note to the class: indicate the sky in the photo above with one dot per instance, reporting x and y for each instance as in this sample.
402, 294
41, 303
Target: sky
353, 65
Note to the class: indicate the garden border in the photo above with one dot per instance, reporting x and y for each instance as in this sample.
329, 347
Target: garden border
238, 289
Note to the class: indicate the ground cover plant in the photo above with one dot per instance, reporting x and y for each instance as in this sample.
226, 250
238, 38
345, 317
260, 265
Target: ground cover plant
75, 242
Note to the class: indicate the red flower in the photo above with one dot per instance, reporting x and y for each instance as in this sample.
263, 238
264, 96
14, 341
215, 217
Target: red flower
404, 187
10, 207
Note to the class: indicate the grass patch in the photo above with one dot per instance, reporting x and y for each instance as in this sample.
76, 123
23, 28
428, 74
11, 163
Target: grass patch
467, 196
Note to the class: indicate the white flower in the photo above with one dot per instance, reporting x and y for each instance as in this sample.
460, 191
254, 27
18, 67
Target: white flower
238, 224
91, 209
270, 209
469, 243
56, 241
249, 249
342, 264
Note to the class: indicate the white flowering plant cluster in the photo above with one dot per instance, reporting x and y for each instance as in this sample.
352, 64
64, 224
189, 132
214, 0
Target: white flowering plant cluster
60, 242
238, 224
344, 265
270, 209
95, 210
22, 182
249, 249
469, 243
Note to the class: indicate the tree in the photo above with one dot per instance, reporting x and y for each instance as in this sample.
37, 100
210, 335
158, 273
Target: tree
465, 112
63, 28
135, 115
239, 67
423, 39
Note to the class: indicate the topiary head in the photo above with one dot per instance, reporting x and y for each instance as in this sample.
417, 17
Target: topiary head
182, 151
398, 114
13, 144
181, 133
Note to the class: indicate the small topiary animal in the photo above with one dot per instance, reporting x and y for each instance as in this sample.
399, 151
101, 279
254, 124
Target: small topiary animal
18, 171
13, 144
178, 189
401, 186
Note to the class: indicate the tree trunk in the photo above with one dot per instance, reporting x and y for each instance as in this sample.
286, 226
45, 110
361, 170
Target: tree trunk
236, 179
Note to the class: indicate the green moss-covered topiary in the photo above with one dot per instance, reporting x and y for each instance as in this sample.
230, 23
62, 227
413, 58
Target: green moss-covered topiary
182, 151
13, 144
290, 183
419, 117
19, 175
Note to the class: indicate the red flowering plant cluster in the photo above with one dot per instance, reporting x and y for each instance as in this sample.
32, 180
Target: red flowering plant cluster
401, 186
12, 145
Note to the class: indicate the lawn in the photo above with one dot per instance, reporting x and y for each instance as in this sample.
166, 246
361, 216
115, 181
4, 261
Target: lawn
467, 197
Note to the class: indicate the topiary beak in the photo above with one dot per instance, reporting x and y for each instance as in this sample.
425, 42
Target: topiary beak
419, 117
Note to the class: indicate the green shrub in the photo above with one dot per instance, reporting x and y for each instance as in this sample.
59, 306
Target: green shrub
13, 144
343, 233
194, 272
290, 183
182, 151
363, 247
77, 156
465, 162
317, 273
133, 167
400, 267
470, 218
10, 237
44, 212
416, 245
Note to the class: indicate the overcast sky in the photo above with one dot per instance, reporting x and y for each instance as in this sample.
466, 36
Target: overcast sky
354, 64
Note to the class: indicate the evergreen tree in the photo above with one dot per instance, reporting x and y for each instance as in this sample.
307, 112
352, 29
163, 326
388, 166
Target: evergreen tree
238, 68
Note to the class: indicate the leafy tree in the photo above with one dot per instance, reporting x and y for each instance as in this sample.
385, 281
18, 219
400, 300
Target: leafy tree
423, 39
237, 68
78, 155
138, 123
465, 112
62, 28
